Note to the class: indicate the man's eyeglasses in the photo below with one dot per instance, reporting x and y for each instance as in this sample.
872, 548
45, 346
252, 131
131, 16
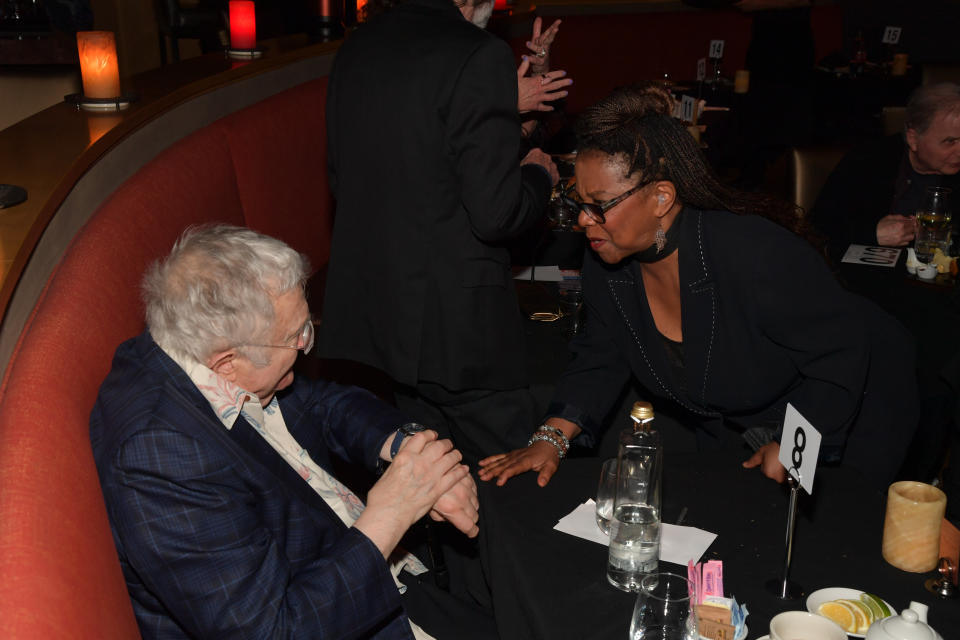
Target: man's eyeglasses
304, 340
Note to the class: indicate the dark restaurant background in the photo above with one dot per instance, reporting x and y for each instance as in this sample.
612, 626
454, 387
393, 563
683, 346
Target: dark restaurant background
602, 45
601, 40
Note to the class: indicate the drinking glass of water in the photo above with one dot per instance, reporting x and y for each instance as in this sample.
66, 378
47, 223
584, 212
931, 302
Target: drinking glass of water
605, 493
634, 545
663, 611
570, 300
933, 224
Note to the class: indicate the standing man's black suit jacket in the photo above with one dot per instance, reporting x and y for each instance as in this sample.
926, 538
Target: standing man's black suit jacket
423, 138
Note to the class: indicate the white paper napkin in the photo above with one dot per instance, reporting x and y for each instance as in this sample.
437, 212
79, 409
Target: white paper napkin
873, 256
677, 544
545, 273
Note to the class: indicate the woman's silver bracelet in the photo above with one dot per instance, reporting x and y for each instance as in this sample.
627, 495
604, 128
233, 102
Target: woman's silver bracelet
548, 429
540, 436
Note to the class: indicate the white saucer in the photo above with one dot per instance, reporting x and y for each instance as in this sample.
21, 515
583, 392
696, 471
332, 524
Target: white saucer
818, 597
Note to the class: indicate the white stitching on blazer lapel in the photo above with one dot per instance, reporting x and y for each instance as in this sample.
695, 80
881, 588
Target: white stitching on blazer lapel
643, 352
701, 286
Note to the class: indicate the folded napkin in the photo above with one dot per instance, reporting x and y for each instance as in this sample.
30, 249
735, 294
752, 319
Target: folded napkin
677, 544
545, 273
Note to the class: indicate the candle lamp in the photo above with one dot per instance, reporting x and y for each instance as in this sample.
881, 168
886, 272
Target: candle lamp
741, 81
99, 73
911, 526
327, 19
243, 30
361, 14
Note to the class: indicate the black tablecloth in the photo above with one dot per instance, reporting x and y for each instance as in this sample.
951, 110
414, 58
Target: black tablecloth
548, 584
930, 310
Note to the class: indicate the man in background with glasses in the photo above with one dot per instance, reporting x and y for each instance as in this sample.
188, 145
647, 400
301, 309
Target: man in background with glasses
215, 463
874, 193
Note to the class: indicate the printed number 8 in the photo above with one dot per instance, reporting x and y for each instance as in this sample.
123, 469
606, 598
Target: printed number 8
799, 444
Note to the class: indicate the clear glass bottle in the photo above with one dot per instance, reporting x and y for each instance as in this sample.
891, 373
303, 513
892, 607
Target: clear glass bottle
639, 456
635, 528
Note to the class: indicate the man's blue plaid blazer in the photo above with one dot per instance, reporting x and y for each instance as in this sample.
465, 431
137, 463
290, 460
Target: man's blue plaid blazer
217, 535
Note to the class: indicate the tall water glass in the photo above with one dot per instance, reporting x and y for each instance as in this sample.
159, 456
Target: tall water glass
606, 490
662, 611
635, 529
933, 224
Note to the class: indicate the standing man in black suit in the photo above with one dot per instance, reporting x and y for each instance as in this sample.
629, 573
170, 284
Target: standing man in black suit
423, 138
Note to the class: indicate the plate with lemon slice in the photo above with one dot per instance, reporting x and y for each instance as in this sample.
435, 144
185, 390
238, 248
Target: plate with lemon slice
852, 609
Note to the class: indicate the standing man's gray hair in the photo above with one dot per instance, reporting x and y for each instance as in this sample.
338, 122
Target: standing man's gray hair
216, 288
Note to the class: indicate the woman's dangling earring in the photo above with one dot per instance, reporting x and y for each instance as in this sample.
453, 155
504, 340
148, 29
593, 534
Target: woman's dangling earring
660, 238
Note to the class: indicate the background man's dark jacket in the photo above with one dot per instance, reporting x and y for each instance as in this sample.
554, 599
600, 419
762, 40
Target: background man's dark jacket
423, 138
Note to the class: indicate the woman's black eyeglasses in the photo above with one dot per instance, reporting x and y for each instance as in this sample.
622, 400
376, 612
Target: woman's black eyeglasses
596, 211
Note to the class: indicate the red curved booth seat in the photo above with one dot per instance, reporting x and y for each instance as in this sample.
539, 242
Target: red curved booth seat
263, 167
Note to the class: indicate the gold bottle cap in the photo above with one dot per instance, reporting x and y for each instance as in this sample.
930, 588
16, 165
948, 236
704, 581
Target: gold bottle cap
641, 411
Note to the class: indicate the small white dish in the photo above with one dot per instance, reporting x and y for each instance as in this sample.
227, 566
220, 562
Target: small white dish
815, 599
803, 625
927, 271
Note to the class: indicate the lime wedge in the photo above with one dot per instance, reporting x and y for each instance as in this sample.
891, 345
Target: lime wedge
878, 606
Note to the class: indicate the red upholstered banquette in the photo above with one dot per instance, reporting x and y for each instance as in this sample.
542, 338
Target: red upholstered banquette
263, 167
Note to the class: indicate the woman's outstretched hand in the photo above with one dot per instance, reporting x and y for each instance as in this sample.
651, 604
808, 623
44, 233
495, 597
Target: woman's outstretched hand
767, 458
540, 456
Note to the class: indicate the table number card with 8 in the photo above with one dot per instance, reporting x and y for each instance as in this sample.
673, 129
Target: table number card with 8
799, 448
701, 69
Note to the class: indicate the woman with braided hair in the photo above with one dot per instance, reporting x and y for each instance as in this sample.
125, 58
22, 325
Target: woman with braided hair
690, 288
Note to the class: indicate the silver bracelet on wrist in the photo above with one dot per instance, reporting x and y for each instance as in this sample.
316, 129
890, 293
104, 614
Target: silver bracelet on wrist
539, 436
548, 429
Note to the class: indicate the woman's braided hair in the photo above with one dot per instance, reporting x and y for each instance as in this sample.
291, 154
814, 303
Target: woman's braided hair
635, 123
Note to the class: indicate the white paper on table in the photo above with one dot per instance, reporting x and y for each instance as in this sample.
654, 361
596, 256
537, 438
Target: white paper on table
873, 256
677, 544
545, 273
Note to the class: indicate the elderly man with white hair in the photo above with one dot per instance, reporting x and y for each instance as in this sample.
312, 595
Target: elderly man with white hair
874, 193
215, 462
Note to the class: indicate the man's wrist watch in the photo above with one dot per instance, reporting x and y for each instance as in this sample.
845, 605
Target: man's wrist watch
405, 430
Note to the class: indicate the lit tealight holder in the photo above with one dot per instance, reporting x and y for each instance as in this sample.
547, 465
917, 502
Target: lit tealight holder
243, 30
899, 67
99, 72
741, 81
